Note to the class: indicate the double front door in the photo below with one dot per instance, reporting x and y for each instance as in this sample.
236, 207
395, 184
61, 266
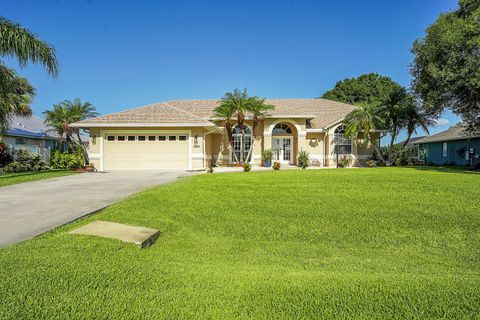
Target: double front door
282, 148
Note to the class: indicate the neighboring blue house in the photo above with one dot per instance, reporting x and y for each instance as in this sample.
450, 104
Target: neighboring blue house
31, 134
451, 147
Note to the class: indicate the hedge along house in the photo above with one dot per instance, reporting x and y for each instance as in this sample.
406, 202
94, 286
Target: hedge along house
451, 147
183, 135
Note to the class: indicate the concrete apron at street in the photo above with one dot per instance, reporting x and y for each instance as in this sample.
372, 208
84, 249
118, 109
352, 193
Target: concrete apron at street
32, 208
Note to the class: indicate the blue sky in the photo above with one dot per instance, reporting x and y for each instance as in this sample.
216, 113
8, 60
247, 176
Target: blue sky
123, 54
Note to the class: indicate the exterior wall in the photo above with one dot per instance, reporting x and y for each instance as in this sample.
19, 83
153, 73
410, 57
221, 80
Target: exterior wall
455, 152
195, 150
361, 150
314, 144
42, 147
207, 146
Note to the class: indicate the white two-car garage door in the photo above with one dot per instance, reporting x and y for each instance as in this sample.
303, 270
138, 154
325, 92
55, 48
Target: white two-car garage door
146, 152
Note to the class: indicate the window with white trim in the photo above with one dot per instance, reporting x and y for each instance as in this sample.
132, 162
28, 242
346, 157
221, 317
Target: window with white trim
343, 145
238, 142
282, 129
444, 149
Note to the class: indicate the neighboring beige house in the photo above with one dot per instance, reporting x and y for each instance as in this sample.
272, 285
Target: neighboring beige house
183, 135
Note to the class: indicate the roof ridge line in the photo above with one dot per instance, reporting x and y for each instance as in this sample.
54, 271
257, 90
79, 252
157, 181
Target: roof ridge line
181, 110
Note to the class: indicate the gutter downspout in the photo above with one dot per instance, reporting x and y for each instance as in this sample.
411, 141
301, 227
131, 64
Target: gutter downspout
204, 148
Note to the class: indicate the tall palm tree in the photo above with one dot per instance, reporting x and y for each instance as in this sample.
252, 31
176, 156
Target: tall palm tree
64, 114
15, 92
257, 108
415, 118
225, 113
392, 108
238, 104
239, 101
365, 119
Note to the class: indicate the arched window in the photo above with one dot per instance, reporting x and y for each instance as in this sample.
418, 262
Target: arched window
281, 128
343, 145
240, 140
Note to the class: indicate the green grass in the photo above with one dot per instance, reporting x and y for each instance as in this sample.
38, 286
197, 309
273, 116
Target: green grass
362, 243
21, 177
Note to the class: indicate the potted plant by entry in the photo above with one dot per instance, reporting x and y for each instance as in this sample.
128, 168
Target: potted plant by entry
267, 157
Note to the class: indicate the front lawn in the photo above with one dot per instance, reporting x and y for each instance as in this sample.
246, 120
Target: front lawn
7, 179
367, 243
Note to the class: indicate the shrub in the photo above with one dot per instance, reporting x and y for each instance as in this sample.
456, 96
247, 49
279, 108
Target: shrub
66, 160
371, 163
25, 161
14, 167
210, 169
5, 156
303, 159
343, 162
247, 167
276, 165
396, 155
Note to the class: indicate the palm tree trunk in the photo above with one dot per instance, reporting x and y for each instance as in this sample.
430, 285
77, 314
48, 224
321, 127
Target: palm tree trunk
376, 147
394, 135
408, 139
84, 149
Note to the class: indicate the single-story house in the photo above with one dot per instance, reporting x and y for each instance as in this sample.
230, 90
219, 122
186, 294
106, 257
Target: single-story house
32, 134
184, 135
451, 147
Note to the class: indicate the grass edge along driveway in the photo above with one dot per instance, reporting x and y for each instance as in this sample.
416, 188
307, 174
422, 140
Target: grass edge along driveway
360, 243
7, 179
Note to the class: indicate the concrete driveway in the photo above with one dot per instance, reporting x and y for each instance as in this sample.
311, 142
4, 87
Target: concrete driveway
32, 208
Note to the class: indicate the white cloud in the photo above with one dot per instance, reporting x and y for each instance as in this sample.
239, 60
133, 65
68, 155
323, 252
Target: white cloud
442, 122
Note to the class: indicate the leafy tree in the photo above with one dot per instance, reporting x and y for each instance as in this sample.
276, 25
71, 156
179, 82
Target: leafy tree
366, 119
238, 104
367, 89
446, 65
15, 92
64, 114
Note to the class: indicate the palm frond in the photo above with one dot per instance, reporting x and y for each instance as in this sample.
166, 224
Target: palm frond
18, 42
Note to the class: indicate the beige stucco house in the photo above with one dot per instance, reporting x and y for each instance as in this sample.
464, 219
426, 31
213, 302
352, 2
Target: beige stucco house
183, 135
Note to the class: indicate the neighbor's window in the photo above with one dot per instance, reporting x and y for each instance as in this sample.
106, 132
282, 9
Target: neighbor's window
162, 138
172, 138
444, 149
343, 145
141, 138
120, 138
20, 141
131, 138
151, 138
110, 138
182, 138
